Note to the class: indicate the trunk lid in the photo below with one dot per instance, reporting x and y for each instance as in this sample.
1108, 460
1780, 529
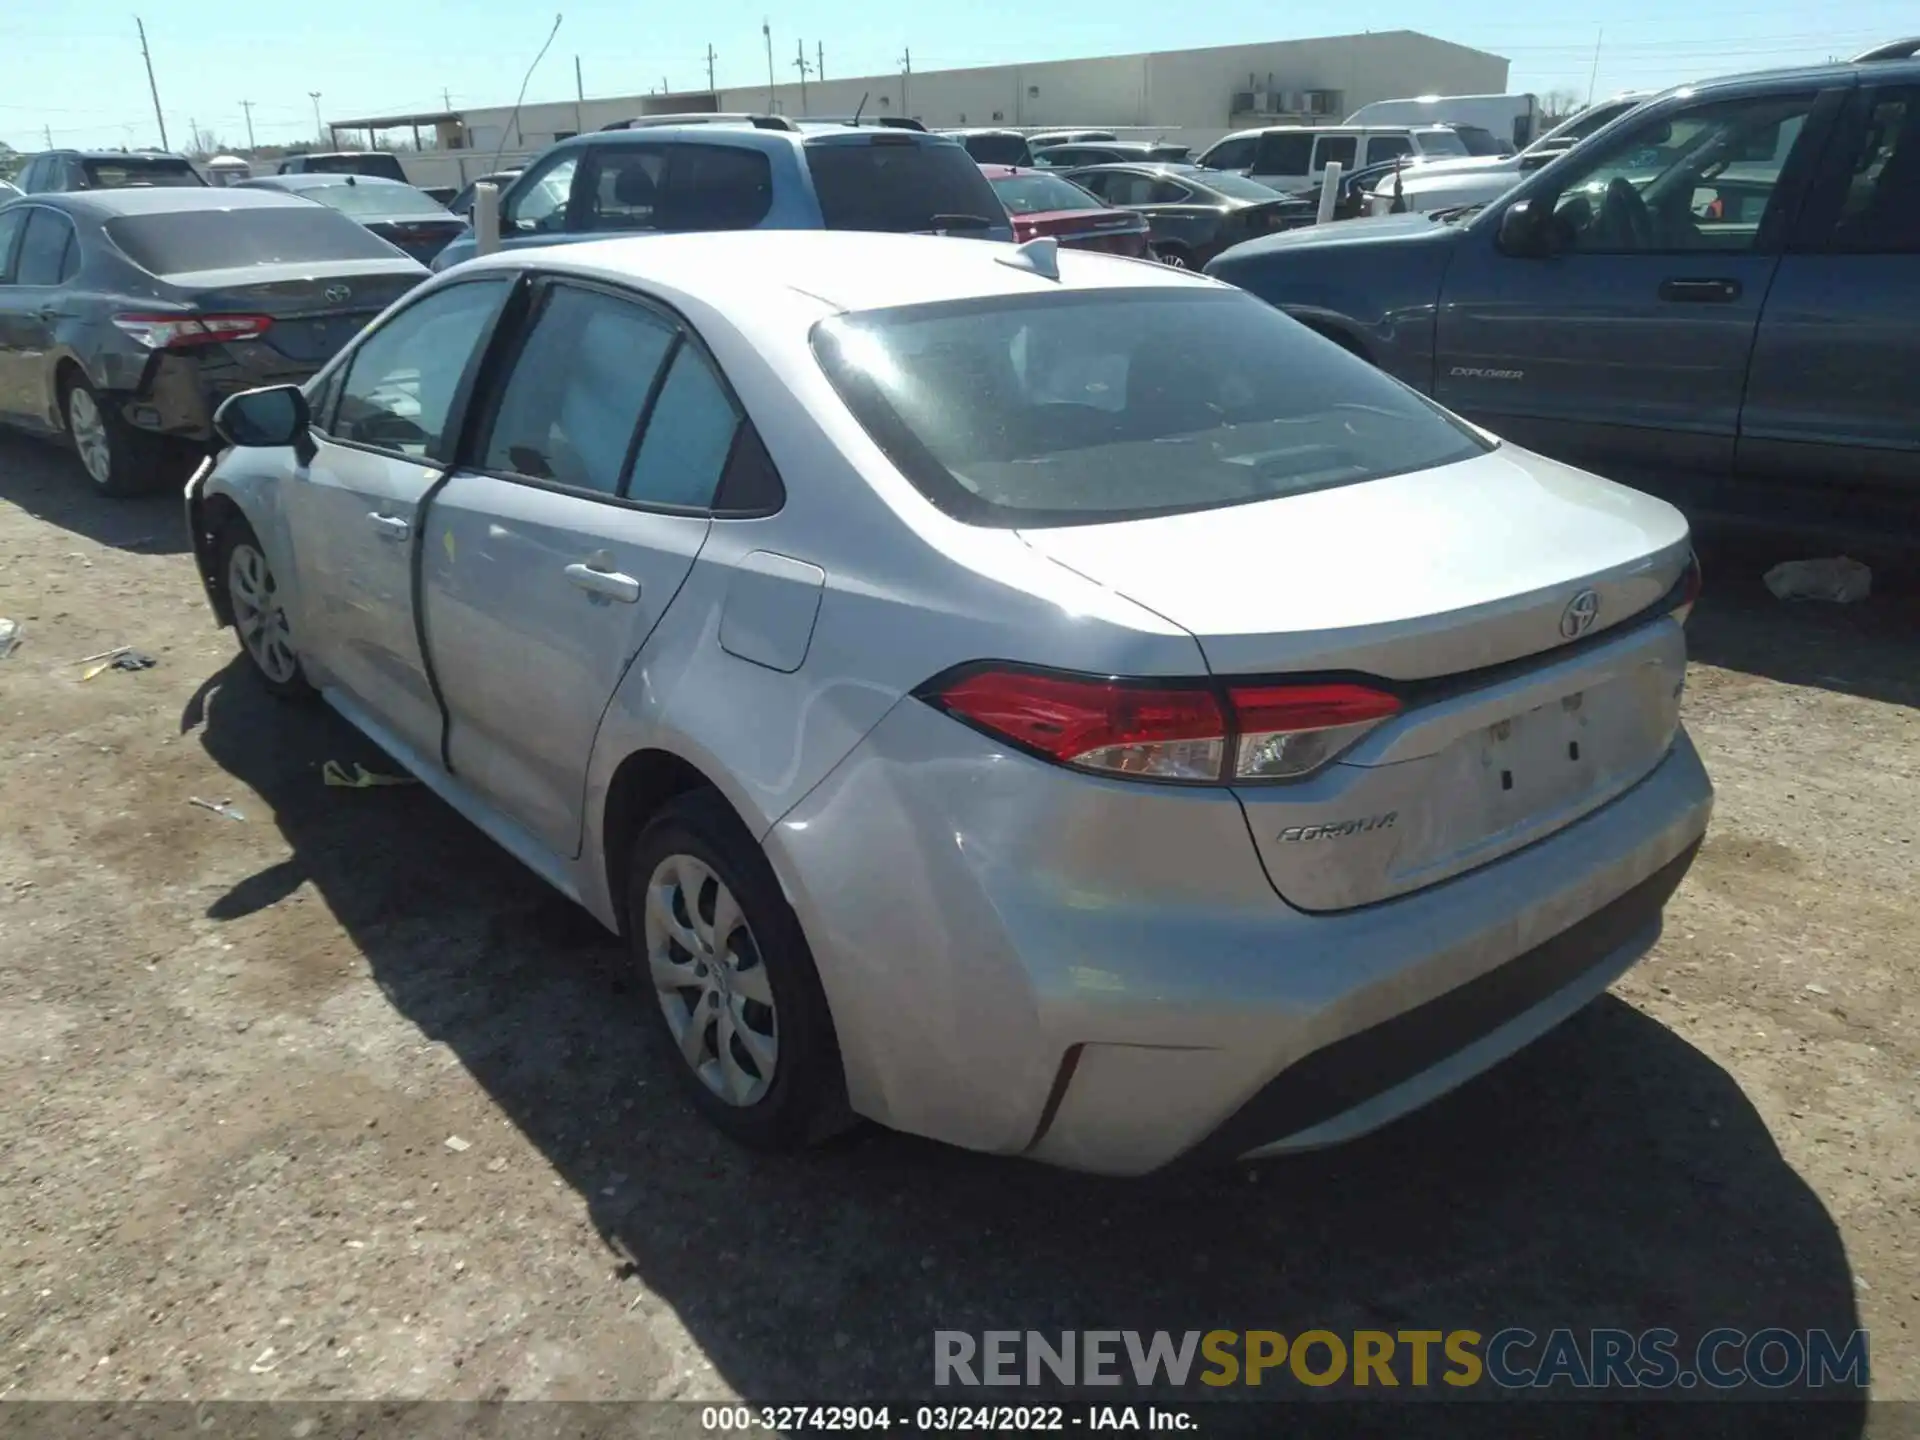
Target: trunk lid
1462, 588
1119, 232
421, 237
314, 310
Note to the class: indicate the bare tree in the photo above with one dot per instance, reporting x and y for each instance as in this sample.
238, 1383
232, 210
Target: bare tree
1558, 104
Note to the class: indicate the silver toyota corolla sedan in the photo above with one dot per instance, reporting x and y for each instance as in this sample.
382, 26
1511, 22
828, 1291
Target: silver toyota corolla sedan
1027, 697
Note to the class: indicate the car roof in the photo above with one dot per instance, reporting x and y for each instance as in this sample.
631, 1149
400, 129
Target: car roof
737, 272
167, 199
120, 155
1156, 167
746, 136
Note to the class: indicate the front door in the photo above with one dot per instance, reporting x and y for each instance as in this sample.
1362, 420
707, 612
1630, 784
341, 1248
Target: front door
353, 511
1621, 340
548, 564
1831, 428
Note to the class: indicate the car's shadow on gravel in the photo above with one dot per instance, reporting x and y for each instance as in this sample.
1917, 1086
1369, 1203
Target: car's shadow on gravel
1612, 1175
45, 480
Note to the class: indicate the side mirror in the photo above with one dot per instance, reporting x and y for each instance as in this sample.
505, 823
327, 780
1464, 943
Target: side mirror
264, 419
1523, 231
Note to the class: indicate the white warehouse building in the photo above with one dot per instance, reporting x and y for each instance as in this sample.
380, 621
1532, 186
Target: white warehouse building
1193, 96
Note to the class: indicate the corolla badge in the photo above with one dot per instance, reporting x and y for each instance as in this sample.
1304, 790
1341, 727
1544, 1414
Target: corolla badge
339, 294
1577, 619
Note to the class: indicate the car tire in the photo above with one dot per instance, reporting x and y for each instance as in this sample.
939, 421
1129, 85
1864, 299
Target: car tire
726, 969
119, 459
1175, 256
259, 619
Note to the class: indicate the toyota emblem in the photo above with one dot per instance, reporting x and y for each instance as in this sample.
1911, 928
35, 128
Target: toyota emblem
338, 294
1577, 619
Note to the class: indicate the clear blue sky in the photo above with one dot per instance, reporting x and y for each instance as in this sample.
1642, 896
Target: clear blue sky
74, 65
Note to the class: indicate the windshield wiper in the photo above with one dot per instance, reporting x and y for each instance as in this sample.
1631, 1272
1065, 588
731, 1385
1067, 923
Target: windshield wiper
1452, 213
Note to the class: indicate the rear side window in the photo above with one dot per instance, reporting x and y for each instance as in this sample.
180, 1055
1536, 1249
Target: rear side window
570, 407
1089, 406
1284, 154
119, 173
190, 240
1880, 214
1335, 147
901, 187
715, 187
689, 436
43, 253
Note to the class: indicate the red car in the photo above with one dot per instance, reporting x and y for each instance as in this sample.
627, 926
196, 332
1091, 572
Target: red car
1042, 204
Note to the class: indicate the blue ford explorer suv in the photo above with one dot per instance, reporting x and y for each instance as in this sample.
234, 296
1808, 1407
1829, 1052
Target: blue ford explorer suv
760, 172
1713, 297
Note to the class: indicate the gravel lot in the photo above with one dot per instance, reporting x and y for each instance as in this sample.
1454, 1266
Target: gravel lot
233, 1055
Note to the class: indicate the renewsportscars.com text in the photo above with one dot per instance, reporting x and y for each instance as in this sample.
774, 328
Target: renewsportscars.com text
1377, 1360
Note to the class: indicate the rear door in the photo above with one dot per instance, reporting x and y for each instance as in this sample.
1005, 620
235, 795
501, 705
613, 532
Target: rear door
353, 511
550, 560
15, 327
1627, 344
1830, 432
37, 300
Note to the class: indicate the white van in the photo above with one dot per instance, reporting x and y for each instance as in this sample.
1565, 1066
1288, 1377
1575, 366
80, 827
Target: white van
1510, 120
1294, 158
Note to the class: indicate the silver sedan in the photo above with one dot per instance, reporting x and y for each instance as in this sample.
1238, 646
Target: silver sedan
1025, 697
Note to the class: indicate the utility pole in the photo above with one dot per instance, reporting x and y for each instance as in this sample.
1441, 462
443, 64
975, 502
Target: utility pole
906, 74
579, 96
47, 130
800, 64
247, 105
766, 29
319, 125
147, 56
446, 99
820, 62
1594, 75
710, 59
193, 135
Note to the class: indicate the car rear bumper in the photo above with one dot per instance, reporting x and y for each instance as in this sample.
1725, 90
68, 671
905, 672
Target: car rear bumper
1096, 974
178, 393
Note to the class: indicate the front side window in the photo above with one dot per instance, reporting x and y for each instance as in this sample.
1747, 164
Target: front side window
1239, 187
1128, 188
1090, 406
12, 222
1699, 180
1230, 155
43, 252
539, 207
400, 382
1382, 148
1880, 212
1448, 144
1285, 154
570, 407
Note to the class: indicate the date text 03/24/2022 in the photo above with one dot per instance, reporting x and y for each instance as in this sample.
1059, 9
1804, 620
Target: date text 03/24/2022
937, 1419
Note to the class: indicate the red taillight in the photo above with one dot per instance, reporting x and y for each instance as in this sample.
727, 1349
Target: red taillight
1689, 589
181, 332
1183, 732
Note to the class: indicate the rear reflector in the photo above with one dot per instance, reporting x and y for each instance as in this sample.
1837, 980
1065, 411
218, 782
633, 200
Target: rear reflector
1690, 584
181, 332
1183, 731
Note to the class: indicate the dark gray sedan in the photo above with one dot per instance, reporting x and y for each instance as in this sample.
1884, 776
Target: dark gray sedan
127, 316
1193, 214
406, 218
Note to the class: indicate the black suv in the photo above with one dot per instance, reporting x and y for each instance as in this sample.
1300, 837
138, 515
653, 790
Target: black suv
64, 170
1713, 297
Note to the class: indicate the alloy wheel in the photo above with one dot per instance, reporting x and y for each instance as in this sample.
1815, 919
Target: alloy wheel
710, 980
258, 614
89, 430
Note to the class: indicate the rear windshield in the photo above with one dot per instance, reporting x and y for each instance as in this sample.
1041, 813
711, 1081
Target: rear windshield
1036, 194
374, 202
385, 166
1440, 142
1100, 405
119, 173
1236, 187
190, 240
883, 185
998, 149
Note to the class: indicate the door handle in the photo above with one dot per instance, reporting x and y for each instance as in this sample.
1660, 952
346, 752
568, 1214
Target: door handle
390, 526
1711, 292
610, 583
48, 312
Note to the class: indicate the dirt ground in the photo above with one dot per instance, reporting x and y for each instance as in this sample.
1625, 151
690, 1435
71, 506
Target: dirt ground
234, 1055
